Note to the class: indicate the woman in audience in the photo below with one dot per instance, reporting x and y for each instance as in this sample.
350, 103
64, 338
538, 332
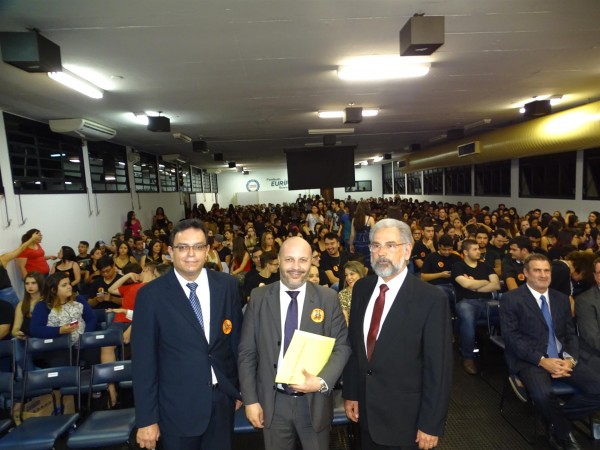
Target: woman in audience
212, 255
123, 256
594, 220
268, 243
353, 271
313, 275
313, 218
132, 226
61, 313
160, 220
93, 271
68, 264
33, 258
250, 240
359, 235
7, 292
21, 330
588, 242
155, 253
240, 259
319, 241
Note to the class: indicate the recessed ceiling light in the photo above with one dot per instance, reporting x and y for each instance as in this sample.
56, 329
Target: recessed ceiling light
76, 83
340, 114
330, 130
382, 67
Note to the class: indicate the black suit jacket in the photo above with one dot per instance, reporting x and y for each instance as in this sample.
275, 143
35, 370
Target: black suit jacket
406, 385
525, 330
587, 313
172, 359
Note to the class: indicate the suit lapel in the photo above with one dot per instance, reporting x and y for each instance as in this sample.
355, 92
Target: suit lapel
216, 305
310, 303
181, 303
532, 304
272, 305
358, 315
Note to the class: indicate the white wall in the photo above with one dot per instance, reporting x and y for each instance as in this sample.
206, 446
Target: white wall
273, 186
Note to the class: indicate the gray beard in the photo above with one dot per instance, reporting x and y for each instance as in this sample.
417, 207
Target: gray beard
388, 271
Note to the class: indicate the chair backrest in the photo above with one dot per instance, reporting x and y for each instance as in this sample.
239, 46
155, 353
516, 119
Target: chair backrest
52, 378
40, 345
7, 385
113, 372
111, 337
7, 350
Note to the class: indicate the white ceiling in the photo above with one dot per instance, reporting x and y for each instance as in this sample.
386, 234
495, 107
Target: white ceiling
249, 75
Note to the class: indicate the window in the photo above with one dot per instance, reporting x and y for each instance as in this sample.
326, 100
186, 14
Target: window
399, 181
214, 185
360, 186
144, 173
493, 179
185, 179
167, 173
205, 181
433, 181
387, 178
548, 176
43, 161
591, 174
414, 183
458, 180
196, 175
108, 167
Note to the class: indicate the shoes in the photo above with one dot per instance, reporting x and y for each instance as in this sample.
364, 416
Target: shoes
563, 444
519, 389
470, 367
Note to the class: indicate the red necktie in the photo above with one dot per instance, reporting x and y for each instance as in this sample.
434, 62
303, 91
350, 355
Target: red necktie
376, 320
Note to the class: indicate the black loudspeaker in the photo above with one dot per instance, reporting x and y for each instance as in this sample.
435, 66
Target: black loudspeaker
455, 133
30, 52
231, 164
218, 157
329, 139
200, 146
387, 156
353, 114
159, 124
538, 108
422, 35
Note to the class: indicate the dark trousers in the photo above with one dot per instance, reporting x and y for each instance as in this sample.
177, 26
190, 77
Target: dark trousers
218, 434
586, 401
367, 443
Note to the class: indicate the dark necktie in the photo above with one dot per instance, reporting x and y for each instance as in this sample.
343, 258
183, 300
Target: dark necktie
376, 320
196, 303
291, 320
552, 348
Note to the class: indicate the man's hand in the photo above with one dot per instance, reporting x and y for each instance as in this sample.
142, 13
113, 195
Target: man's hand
254, 413
351, 407
557, 367
311, 383
148, 436
425, 440
238, 404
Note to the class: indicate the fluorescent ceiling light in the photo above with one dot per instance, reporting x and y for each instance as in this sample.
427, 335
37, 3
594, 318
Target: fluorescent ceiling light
340, 114
331, 130
74, 160
78, 84
556, 100
378, 158
382, 67
478, 123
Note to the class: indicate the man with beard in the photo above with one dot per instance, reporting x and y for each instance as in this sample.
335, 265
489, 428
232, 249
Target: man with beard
333, 261
273, 314
401, 361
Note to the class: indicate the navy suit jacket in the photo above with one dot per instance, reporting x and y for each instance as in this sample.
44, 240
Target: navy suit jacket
525, 330
406, 384
172, 359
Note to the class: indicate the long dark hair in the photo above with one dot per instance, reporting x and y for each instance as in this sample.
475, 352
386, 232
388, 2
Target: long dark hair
26, 303
68, 254
51, 288
28, 235
130, 215
238, 249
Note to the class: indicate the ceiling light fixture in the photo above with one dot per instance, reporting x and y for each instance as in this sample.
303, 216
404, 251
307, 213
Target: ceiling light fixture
340, 114
384, 67
378, 158
478, 123
76, 83
555, 100
330, 130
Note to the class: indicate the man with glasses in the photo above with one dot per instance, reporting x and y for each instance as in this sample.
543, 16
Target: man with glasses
185, 337
398, 378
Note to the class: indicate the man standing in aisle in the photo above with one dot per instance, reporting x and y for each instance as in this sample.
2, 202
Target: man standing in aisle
398, 378
272, 315
185, 338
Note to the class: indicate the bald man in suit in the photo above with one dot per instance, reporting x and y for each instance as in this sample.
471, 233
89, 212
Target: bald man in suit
304, 410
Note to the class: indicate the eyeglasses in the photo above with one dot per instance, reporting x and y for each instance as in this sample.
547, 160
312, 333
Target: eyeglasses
389, 246
185, 248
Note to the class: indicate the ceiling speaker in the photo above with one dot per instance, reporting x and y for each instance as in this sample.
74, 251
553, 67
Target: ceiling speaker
159, 124
218, 157
538, 108
387, 156
30, 52
353, 114
200, 147
231, 164
422, 35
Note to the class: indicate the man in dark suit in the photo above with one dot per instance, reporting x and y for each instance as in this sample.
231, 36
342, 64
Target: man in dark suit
397, 381
587, 312
541, 345
185, 338
305, 409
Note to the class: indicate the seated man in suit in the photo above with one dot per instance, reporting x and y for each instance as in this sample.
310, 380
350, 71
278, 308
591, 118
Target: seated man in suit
541, 345
587, 313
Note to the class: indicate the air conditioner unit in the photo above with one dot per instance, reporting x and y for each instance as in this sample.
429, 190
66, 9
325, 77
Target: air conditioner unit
83, 128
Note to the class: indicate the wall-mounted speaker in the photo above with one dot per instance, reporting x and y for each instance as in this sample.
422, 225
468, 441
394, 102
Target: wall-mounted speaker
538, 108
387, 156
200, 146
159, 124
231, 164
30, 52
422, 35
353, 114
